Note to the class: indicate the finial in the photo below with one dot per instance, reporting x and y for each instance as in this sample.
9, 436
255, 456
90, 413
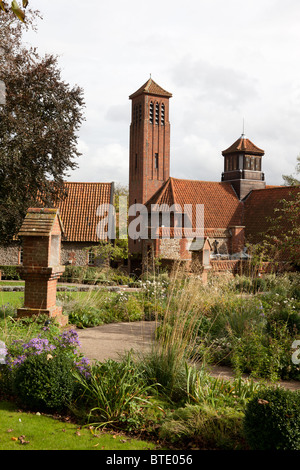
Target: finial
243, 134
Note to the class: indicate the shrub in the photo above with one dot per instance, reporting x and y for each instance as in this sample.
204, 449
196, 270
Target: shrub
10, 273
217, 393
272, 420
205, 427
44, 382
120, 279
166, 366
115, 392
72, 274
83, 275
5, 381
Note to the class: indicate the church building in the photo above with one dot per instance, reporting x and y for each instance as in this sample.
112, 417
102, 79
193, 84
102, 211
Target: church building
235, 208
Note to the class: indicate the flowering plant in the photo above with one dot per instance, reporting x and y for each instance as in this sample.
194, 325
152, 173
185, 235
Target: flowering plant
67, 342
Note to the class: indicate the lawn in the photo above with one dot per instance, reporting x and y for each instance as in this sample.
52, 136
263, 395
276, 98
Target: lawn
28, 431
15, 299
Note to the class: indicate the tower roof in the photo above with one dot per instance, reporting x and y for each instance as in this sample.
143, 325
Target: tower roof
151, 88
243, 145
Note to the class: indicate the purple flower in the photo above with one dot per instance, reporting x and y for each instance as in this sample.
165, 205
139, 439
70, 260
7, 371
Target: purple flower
68, 338
38, 345
67, 341
83, 366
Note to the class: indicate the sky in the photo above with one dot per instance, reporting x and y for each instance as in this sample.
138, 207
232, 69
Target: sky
225, 62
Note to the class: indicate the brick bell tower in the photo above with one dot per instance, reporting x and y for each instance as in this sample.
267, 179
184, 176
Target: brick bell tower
149, 153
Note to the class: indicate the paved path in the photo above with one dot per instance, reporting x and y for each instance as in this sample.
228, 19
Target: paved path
109, 341
112, 340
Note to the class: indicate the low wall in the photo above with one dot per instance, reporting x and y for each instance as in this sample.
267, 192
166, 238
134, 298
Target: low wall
245, 267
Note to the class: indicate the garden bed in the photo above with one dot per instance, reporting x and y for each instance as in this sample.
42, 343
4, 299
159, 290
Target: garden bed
226, 324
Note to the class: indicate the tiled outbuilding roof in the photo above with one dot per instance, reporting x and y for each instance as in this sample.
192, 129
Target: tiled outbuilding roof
78, 210
222, 208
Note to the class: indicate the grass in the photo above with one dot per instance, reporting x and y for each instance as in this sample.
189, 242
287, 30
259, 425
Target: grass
13, 298
12, 283
28, 431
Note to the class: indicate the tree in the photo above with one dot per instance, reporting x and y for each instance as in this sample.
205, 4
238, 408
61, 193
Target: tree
283, 237
290, 180
117, 249
15, 8
39, 121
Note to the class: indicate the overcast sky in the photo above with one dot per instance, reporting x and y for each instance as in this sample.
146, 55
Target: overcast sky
223, 61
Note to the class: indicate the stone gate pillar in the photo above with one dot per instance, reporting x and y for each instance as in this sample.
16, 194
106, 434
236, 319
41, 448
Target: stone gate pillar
41, 231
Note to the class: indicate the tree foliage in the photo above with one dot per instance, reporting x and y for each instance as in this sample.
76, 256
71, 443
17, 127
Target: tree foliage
118, 248
282, 240
14, 8
291, 180
39, 120
284, 233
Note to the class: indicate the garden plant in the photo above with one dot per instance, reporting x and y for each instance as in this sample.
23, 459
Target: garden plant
167, 394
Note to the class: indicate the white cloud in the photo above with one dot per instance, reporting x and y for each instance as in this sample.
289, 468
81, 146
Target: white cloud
223, 61
104, 164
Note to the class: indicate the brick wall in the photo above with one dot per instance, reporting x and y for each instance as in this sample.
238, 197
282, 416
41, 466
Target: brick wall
36, 251
237, 239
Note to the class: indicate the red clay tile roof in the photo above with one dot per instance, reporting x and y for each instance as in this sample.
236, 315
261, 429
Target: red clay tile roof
243, 145
78, 209
222, 208
260, 206
151, 88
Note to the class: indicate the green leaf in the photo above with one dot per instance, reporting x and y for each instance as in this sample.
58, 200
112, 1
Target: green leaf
17, 11
3, 6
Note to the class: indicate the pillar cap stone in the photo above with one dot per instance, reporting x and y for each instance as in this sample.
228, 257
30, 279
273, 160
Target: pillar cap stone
39, 222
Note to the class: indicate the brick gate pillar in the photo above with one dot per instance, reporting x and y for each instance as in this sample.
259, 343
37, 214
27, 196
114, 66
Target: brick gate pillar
41, 232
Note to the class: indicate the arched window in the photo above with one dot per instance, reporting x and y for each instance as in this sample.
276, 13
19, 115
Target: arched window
135, 114
162, 116
151, 112
157, 113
